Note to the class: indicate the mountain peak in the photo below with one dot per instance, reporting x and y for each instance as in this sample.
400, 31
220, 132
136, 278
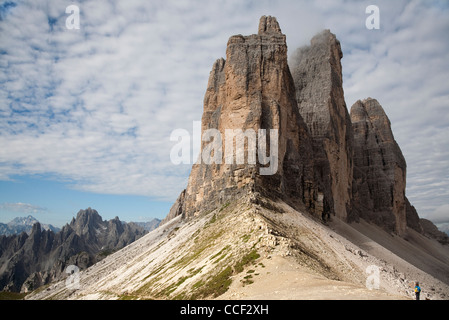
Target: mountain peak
29, 220
380, 168
317, 74
36, 229
86, 222
250, 93
88, 215
368, 109
324, 36
23, 224
269, 25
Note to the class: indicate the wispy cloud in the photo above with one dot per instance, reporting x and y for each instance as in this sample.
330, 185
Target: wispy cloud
440, 214
96, 106
23, 208
403, 67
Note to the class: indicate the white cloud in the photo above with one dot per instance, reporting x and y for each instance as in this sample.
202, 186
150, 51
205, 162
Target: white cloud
403, 67
96, 106
440, 216
20, 207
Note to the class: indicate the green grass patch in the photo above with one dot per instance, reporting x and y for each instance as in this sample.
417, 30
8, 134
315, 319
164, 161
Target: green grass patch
198, 284
168, 290
247, 280
213, 219
246, 237
221, 257
224, 206
194, 271
220, 253
215, 286
249, 258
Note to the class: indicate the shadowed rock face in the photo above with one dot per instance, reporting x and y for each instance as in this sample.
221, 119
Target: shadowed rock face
379, 168
251, 90
317, 73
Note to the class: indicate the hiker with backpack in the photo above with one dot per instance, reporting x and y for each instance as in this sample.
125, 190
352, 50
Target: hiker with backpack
417, 290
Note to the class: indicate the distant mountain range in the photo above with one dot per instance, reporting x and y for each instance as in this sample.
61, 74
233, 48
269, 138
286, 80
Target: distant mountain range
33, 254
149, 225
23, 224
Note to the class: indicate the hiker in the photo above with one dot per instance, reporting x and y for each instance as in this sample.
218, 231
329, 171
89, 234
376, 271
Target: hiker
417, 290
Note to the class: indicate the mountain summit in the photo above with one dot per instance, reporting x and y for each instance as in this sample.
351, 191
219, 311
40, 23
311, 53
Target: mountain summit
29, 261
292, 196
380, 168
317, 73
250, 99
295, 140
23, 224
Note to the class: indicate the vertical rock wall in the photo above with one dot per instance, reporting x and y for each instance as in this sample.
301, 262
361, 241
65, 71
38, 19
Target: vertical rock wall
326, 161
251, 90
379, 168
317, 73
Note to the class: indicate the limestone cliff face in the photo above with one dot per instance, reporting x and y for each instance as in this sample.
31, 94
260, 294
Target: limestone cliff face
317, 73
270, 133
252, 90
413, 220
176, 209
379, 168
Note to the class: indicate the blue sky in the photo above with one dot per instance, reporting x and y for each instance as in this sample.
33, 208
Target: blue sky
86, 115
55, 202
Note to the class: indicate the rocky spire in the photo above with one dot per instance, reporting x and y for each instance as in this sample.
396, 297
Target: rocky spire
250, 91
326, 160
379, 168
318, 78
268, 24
